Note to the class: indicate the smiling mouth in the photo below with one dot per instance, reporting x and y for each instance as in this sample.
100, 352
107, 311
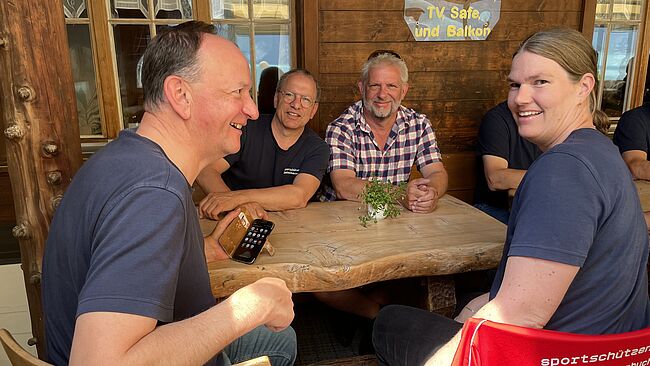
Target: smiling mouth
528, 114
293, 114
238, 126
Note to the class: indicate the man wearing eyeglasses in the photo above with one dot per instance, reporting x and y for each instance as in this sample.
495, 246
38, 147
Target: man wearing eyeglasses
379, 138
281, 161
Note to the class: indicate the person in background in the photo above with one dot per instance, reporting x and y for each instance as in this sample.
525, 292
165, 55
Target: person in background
379, 138
576, 250
125, 278
632, 136
281, 161
266, 89
504, 157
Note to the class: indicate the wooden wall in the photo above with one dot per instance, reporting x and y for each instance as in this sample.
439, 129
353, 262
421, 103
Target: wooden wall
454, 83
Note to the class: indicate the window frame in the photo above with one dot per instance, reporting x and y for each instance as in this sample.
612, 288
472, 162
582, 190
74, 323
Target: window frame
635, 88
105, 56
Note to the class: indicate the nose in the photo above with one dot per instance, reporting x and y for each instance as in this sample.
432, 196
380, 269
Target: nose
383, 91
522, 95
250, 109
296, 103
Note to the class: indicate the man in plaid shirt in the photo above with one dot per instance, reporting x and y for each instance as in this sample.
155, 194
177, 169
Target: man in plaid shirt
378, 137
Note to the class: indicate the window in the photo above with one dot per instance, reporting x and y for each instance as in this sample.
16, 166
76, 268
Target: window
107, 39
616, 39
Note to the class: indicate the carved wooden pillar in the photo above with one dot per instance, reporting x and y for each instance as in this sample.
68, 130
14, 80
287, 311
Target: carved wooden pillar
39, 121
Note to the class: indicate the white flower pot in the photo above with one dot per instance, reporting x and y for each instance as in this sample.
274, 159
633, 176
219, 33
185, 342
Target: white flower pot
378, 214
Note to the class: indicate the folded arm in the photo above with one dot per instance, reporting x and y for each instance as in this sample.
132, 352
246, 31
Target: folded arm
499, 177
637, 162
209, 179
285, 197
530, 293
106, 338
347, 185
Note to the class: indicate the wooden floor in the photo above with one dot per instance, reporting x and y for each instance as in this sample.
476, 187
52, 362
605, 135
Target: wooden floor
14, 314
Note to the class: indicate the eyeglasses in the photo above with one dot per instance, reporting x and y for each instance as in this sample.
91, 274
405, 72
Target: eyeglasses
289, 97
381, 52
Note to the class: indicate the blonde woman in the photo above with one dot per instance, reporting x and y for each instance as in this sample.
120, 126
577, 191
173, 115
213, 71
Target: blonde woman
576, 250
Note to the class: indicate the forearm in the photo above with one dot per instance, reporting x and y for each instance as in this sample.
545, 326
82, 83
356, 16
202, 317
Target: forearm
640, 169
212, 183
439, 181
195, 340
279, 198
504, 179
128, 339
349, 188
489, 311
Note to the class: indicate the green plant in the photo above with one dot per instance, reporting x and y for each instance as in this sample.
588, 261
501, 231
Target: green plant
381, 196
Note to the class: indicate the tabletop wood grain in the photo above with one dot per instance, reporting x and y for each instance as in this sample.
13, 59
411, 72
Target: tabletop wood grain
323, 247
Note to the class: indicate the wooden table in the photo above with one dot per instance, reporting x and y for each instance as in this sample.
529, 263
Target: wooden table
643, 187
323, 247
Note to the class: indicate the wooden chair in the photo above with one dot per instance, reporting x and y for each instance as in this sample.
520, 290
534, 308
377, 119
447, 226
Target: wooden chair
486, 343
19, 357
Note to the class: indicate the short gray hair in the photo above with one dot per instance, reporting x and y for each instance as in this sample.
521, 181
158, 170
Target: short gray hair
385, 59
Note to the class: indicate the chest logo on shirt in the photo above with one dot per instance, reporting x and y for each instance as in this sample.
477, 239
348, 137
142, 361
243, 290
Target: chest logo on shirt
291, 171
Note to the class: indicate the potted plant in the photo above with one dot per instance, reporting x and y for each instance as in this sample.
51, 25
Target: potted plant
382, 199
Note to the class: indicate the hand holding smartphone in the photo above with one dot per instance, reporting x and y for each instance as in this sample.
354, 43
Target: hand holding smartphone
244, 237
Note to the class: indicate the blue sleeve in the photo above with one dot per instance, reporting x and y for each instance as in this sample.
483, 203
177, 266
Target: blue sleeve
559, 206
135, 257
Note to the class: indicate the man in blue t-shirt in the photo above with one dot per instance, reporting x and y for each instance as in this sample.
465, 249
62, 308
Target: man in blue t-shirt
504, 157
281, 161
632, 136
125, 277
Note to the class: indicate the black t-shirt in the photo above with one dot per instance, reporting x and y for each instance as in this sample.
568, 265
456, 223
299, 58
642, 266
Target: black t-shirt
498, 136
261, 163
633, 130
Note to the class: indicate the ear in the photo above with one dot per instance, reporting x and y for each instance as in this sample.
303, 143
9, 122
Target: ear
586, 84
276, 99
314, 109
360, 86
178, 95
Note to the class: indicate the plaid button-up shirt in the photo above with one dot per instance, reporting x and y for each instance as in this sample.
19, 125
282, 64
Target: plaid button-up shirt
353, 146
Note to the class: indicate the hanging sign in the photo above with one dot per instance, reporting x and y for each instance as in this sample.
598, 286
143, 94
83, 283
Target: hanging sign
439, 20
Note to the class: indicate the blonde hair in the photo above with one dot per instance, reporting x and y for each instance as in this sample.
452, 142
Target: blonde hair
575, 55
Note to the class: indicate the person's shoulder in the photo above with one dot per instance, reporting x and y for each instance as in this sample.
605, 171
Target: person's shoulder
585, 144
261, 124
350, 116
414, 118
499, 113
635, 115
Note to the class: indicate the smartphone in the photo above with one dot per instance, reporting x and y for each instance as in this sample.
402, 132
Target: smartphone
252, 243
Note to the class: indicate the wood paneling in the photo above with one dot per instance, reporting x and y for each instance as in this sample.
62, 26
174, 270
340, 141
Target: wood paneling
422, 56
389, 26
514, 5
453, 83
458, 84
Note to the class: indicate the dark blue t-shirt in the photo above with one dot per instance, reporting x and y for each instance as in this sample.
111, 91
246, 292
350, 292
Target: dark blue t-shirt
261, 163
578, 205
633, 130
126, 238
